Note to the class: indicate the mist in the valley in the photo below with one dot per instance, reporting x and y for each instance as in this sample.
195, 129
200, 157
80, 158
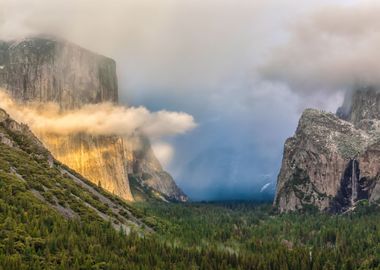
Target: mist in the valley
244, 70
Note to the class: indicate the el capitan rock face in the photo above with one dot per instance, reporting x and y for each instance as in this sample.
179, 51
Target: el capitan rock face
47, 69
43, 69
333, 162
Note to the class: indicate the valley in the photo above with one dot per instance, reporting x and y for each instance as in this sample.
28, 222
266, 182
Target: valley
53, 218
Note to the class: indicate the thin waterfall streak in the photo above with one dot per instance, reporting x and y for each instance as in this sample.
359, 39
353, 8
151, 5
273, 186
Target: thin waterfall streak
353, 183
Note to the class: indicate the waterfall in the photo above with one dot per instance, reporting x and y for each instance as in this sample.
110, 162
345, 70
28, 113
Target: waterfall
353, 184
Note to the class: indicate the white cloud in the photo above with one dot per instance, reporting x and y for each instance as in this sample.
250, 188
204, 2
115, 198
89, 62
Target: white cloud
98, 119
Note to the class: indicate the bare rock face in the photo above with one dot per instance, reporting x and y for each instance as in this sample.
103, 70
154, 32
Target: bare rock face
363, 104
44, 69
148, 172
333, 162
41, 69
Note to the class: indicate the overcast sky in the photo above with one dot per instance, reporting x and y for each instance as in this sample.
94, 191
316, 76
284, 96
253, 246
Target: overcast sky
244, 69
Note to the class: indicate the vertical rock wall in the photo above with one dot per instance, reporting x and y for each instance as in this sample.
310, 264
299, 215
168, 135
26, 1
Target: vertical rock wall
50, 70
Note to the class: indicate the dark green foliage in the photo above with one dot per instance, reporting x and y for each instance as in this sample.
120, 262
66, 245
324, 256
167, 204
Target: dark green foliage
306, 240
33, 236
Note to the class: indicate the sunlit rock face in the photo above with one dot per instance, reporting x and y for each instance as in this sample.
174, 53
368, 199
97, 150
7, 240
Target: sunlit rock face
333, 161
50, 70
100, 158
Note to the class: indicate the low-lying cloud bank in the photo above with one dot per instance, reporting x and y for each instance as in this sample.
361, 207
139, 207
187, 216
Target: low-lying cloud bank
98, 119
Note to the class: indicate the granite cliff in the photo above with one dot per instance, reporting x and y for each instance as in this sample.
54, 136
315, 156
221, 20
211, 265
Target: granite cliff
333, 160
45, 69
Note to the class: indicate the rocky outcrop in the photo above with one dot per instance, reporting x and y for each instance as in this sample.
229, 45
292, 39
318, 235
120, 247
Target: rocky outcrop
333, 161
45, 69
19, 136
148, 172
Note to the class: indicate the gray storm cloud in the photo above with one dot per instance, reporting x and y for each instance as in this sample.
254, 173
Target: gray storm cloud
168, 44
330, 48
175, 46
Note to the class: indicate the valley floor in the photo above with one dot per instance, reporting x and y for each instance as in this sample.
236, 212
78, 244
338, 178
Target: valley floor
187, 236
255, 234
